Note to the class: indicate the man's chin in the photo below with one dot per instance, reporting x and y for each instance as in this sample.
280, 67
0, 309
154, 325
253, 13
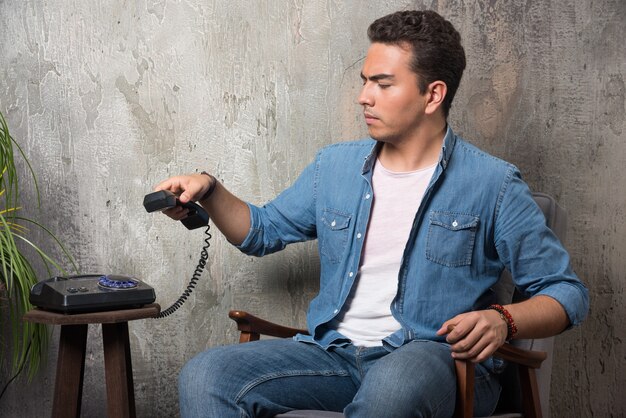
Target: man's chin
381, 137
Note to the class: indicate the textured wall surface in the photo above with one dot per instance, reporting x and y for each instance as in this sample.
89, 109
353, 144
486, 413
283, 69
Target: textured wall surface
108, 97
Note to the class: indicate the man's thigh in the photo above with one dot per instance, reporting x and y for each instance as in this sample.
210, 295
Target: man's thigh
264, 378
415, 380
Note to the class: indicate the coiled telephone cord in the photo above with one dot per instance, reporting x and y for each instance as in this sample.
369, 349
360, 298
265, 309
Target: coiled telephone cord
204, 255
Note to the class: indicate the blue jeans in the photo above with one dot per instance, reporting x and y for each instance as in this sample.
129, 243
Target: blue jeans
269, 377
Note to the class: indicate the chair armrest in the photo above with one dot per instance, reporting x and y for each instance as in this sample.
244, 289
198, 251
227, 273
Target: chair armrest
528, 358
255, 326
528, 361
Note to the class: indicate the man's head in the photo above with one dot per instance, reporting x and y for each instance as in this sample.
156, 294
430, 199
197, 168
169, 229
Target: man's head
437, 53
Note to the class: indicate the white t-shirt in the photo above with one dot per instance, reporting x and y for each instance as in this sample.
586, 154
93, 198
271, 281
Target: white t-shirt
366, 316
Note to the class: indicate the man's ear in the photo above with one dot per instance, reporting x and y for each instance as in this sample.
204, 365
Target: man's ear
436, 92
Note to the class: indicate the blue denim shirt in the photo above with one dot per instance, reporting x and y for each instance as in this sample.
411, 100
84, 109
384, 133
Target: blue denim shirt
476, 218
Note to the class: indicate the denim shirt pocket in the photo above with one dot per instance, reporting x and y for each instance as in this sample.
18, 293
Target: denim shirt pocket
451, 237
334, 236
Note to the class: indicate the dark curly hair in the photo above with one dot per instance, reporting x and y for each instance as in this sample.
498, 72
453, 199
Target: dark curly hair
435, 43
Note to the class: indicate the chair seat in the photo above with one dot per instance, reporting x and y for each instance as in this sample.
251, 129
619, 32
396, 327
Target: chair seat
328, 414
310, 414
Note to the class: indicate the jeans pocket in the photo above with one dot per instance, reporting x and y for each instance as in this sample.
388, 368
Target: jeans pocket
333, 236
451, 237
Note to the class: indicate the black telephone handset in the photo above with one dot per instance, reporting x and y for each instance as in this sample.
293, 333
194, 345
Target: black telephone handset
164, 199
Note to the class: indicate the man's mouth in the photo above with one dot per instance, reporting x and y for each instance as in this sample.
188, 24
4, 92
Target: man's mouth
369, 117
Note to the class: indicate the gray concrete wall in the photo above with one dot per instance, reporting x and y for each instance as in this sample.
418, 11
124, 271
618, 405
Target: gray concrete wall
109, 97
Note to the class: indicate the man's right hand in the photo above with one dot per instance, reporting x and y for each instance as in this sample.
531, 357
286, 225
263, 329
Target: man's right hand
188, 188
229, 214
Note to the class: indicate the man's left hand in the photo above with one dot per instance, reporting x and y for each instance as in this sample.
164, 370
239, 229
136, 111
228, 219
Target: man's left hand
475, 336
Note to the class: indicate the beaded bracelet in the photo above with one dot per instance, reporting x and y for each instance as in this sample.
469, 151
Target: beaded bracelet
211, 189
506, 317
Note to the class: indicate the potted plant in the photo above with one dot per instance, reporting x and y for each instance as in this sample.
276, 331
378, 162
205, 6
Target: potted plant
28, 341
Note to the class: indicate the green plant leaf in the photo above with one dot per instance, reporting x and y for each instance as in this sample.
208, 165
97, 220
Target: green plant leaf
29, 341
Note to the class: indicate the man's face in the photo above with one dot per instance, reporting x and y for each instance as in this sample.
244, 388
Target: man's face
392, 104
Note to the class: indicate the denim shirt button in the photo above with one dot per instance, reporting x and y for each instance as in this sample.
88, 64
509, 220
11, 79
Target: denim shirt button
336, 311
455, 223
351, 274
367, 196
333, 223
358, 235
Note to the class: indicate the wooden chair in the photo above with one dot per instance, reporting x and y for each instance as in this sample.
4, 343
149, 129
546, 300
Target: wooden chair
525, 387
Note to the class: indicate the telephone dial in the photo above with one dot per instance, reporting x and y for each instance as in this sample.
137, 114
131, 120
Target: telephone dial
100, 292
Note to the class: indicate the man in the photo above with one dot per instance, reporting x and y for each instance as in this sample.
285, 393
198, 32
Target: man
414, 227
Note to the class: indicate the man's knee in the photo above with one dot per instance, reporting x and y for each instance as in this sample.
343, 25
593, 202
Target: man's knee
208, 384
203, 372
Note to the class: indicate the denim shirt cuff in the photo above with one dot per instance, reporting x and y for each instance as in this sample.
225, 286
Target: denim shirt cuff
248, 243
573, 299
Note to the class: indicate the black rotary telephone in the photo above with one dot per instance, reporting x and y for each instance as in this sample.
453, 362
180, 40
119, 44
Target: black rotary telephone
100, 292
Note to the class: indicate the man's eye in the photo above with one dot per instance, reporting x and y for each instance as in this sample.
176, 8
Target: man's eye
384, 86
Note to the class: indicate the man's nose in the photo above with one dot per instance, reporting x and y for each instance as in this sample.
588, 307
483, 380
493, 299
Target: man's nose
365, 97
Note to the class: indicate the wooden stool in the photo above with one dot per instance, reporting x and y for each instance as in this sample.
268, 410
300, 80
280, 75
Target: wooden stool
68, 387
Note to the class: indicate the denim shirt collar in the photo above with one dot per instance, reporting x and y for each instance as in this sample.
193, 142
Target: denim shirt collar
370, 159
449, 141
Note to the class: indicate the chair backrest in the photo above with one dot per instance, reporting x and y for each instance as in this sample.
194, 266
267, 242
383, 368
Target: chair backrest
510, 398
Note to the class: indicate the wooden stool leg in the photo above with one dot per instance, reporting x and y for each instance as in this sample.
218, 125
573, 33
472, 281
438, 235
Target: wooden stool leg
68, 387
118, 370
